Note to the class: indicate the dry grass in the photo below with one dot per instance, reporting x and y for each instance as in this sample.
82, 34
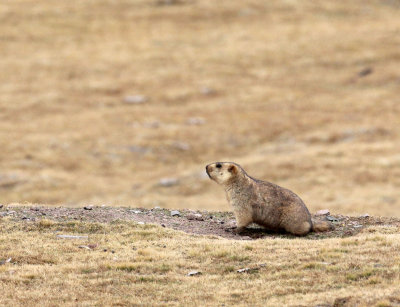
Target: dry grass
284, 99
147, 265
277, 84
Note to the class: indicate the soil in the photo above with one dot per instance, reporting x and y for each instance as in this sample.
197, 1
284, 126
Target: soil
220, 224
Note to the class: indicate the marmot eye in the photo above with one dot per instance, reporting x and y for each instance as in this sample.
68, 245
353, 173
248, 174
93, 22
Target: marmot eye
218, 165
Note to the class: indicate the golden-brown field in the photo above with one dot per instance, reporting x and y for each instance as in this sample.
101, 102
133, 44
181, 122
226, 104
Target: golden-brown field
126, 264
301, 93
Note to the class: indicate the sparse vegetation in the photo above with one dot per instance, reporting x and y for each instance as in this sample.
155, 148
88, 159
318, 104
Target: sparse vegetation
126, 268
301, 93
124, 102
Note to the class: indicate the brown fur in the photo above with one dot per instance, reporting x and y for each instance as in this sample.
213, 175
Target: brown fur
263, 203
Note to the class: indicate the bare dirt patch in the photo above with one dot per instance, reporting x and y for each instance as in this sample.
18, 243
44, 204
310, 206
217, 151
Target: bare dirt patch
190, 221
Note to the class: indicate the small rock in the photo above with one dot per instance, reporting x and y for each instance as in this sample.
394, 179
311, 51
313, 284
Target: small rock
332, 219
365, 72
135, 99
90, 246
163, 225
322, 212
245, 270
139, 149
207, 91
157, 208
84, 246
71, 237
2, 262
175, 213
195, 121
231, 224
168, 182
195, 216
181, 146
168, 2
112, 252
35, 209
154, 124
194, 273
88, 207
1, 206
365, 215
136, 211
140, 223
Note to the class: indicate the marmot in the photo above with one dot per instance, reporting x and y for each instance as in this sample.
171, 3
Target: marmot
263, 203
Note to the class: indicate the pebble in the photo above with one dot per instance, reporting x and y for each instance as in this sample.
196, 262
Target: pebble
175, 213
332, 219
71, 237
84, 246
135, 99
365, 215
181, 146
194, 273
322, 212
168, 182
135, 211
207, 91
139, 149
195, 121
1, 206
195, 216
5, 261
88, 207
245, 270
365, 72
140, 223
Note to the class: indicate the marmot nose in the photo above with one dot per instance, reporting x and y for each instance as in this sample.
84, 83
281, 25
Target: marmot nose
218, 165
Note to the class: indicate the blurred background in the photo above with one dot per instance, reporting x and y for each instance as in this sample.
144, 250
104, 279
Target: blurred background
124, 102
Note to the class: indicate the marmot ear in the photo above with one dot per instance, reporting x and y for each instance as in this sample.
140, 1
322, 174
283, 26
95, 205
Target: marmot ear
232, 169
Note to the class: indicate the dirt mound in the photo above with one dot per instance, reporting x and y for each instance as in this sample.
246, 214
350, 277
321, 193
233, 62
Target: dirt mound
190, 221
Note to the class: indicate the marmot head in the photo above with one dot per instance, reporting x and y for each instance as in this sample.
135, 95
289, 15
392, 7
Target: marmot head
223, 172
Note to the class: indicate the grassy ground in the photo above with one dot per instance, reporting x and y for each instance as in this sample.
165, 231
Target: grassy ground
282, 88
301, 93
127, 264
